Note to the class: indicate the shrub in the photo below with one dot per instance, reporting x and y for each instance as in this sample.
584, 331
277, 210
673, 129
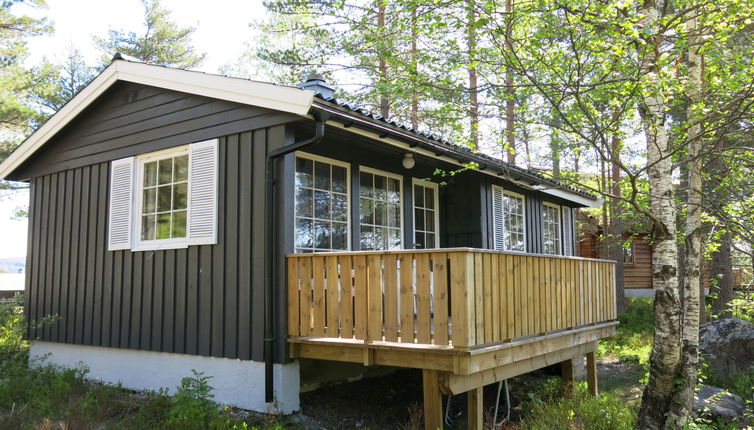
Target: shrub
555, 410
633, 337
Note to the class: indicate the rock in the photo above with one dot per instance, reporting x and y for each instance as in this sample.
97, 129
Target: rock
715, 402
728, 346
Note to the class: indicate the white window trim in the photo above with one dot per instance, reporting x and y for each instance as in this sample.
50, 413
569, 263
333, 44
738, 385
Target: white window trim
523, 214
436, 187
558, 210
334, 162
400, 193
138, 189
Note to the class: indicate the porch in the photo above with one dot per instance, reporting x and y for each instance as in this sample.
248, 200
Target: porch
467, 317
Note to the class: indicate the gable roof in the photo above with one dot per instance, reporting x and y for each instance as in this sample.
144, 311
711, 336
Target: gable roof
285, 99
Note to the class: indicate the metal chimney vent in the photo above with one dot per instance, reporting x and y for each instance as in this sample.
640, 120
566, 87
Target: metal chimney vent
317, 84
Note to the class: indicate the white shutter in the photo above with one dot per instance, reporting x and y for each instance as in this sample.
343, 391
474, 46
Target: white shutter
121, 204
567, 231
202, 225
497, 218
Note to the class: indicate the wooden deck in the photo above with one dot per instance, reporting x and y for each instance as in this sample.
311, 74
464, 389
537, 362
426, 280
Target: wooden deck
467, 317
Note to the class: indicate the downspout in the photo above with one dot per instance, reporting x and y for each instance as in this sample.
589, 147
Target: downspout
269, 288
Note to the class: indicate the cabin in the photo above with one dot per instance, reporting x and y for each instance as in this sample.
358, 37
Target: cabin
256, 232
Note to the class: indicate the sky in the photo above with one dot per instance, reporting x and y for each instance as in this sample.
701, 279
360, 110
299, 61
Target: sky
222, 32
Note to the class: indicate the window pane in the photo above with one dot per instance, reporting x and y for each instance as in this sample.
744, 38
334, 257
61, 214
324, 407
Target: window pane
339, 179
339, 207
181, 168
430, 220
366, 214
380, 213
340, 235
394, 215
304, 172
179, 224
430, 197
380, 187
418, 196
418, 219
165, 172
393, 190
180, 196
163, 198
367, 238
322, 205
393, 239
150, 200
150, 174
163, 226
304, 202
147, 227
304, 234
430, 240
321, 176
366, 184
322, 234
380, 238
419, 240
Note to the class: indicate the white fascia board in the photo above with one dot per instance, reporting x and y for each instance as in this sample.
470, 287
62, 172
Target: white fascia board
271, 96
570, 196
563, 194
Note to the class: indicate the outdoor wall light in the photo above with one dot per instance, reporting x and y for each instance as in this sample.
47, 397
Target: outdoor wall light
408, 161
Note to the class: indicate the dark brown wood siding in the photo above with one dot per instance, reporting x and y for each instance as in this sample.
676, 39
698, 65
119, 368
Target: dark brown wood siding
205, 300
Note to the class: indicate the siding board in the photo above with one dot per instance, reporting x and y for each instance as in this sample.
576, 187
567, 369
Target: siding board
244, 245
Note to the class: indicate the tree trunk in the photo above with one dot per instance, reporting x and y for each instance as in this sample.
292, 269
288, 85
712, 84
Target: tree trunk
471, 46
686, 377
666, 346
382, 63
510, 96
721, 267
555, 145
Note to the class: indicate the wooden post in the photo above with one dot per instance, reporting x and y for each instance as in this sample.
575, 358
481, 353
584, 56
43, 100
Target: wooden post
591, 373
566, 372
476, 409
433, 417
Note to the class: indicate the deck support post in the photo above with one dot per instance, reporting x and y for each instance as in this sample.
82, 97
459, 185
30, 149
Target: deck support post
566, 373
433, 416
591, 373
475, 409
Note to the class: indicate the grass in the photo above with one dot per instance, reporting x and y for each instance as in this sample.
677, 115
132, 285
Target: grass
632, 342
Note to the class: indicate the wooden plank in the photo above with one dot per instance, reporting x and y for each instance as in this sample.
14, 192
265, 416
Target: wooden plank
510, 291
475, 408
332, 288
478, 287
304, 297
518, 288
293, 296
169, 305
433, 415
318, 305
391, 297
528, 295
440, 285
245, 247
179, 333
346, 296
462, 302
536, 294
423, 300
158, 306
495, 285
407, 297
487, 293
360, 292
591, 373
374, 297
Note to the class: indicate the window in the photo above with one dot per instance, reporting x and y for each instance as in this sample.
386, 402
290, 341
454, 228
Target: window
426, 211
509, 221
628, 253
321, 204
165, 199
379, 210
164, 196
552, 227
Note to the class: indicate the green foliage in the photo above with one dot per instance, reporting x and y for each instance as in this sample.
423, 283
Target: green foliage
192, 405
742, 306
553, 409
162, 41
633, 338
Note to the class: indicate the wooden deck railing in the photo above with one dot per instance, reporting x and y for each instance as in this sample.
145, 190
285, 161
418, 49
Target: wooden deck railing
446, 297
